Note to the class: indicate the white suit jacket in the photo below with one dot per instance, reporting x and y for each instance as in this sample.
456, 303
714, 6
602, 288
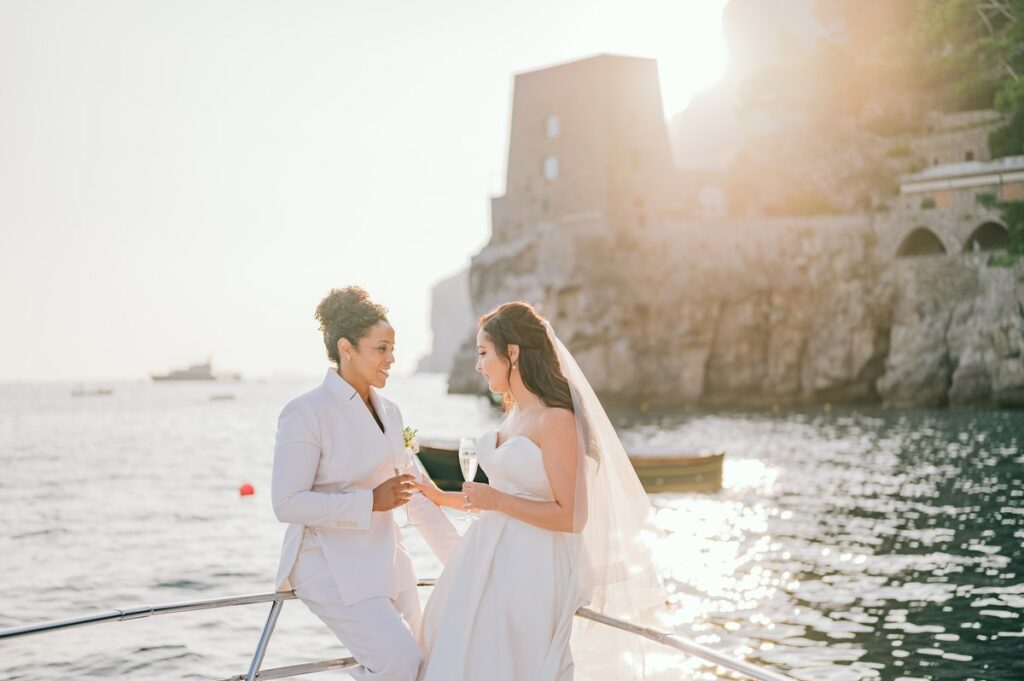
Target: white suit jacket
330, 454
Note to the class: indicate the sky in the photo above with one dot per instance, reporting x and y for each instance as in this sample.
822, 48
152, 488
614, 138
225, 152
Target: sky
183, 180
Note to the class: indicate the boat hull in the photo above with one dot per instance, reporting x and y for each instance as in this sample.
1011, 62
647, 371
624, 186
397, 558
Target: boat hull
701, 473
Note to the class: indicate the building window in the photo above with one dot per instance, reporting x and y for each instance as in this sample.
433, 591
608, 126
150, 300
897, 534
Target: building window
945, 198
969, 156
1012, 191
550, 167
552, 126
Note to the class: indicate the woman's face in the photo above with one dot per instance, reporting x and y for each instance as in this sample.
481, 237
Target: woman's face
493, 367
370, 361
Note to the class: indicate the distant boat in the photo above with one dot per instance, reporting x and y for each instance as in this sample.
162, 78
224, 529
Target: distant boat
657, 473
196, 372
82, 391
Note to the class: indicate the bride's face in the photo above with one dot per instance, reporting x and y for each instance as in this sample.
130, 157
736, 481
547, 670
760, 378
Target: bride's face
493, 367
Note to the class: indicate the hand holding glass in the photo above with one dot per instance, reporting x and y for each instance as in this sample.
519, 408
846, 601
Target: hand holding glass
403, 465
468, 464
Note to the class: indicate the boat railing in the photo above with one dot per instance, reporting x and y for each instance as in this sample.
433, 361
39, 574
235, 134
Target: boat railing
277, 600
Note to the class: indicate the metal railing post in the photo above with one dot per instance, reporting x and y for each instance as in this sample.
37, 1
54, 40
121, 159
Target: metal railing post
261, 649
277, 599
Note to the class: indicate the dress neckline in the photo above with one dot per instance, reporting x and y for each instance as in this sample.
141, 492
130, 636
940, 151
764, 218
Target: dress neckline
513, 437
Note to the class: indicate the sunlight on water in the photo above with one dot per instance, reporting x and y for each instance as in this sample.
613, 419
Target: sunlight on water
854, 544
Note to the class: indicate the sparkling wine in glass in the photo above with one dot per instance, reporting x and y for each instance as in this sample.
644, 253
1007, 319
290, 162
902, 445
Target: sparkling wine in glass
403, 465
467, 462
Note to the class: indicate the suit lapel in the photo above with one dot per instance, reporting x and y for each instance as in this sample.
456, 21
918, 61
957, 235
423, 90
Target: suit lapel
391, 420
382, 414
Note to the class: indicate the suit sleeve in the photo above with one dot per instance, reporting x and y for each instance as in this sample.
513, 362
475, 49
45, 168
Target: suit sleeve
439, 533
296, 457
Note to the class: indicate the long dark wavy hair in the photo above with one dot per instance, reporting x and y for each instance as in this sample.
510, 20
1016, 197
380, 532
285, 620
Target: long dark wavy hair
518, 323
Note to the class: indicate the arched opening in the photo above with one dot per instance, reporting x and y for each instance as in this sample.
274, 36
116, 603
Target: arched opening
990, 236
922, 241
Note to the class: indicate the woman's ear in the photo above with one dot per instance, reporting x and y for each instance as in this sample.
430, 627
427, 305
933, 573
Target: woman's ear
344, 348
513, 352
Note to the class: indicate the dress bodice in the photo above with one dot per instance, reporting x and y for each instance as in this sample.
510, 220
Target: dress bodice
515, 467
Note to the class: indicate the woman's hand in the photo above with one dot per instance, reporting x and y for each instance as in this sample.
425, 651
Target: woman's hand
430, 490
392, 493
478, 496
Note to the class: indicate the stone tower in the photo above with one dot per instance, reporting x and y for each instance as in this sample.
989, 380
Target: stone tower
588, 144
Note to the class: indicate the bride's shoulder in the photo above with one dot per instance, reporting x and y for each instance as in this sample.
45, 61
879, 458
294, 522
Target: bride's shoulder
557, 424
557, 416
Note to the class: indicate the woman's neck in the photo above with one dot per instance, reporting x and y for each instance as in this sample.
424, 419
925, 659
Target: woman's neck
361, 387
525, 400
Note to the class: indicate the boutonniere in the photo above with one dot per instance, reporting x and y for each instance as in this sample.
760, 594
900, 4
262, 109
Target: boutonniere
409, 439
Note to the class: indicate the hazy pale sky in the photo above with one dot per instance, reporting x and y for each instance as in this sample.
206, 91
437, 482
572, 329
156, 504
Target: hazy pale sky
182, 179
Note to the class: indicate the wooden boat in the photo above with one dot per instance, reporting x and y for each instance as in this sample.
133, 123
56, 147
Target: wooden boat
657, 473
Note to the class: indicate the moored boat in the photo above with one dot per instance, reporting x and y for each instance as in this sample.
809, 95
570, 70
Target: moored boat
82, 391
196, 372
657, 472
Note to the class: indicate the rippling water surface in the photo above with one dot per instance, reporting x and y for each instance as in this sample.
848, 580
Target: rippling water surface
849, 544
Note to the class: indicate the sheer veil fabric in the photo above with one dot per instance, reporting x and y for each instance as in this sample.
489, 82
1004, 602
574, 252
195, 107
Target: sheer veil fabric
614, 523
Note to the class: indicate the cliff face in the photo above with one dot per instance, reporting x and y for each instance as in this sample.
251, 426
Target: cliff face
761, 312
956, 334
451, 318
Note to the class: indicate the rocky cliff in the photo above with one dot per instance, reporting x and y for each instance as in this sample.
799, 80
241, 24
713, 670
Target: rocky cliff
451, 319
780, 311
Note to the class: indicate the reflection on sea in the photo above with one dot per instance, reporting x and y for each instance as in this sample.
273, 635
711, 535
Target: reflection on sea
851, 544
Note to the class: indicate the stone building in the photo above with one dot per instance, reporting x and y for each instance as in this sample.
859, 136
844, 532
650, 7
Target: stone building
663, 304
588, 145
950, 209
955, 137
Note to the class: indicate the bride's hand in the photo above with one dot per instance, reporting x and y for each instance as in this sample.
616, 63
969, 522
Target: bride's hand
430, 489
478, 496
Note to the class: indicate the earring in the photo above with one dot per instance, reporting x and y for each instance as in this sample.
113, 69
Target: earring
515, 367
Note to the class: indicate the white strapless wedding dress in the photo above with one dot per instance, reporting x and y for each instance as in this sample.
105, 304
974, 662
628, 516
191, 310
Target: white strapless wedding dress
503, 608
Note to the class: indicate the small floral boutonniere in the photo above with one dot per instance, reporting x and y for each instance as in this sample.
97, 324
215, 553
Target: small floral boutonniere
409, 437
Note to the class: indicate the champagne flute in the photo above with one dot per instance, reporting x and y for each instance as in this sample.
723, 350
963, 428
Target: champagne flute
403, 465
468, 464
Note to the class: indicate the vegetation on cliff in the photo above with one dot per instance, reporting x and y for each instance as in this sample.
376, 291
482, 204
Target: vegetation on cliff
844, 108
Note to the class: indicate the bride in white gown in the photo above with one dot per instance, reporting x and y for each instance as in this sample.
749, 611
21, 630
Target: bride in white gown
561, 525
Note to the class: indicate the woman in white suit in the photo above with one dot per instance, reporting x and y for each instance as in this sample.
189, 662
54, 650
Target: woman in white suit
334, 483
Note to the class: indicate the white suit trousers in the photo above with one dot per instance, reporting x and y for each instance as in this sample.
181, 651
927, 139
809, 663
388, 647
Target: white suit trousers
377, 631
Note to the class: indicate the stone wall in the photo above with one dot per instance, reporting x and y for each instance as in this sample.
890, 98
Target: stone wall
953, 227
733, 312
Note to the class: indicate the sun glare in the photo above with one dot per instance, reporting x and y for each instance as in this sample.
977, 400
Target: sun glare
686, 40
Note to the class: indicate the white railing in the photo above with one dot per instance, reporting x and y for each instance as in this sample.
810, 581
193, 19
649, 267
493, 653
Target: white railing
277, 600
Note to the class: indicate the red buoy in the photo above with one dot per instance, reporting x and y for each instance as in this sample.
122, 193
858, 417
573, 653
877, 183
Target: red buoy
246, 490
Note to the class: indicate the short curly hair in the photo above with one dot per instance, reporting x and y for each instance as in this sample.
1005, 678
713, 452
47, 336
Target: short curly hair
347, 313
